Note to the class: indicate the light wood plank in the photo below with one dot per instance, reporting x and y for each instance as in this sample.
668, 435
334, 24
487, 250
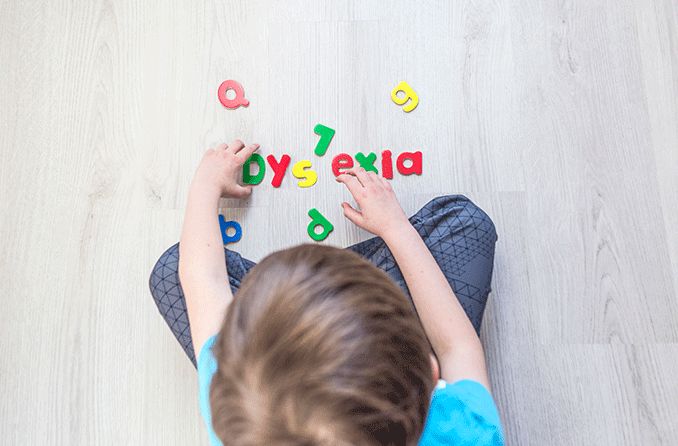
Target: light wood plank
559, 119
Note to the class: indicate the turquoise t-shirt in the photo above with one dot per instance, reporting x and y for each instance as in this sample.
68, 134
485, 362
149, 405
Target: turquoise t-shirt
460, 414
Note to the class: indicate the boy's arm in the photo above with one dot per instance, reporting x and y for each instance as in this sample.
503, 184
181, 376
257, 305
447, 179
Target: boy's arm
202, 266
449, 330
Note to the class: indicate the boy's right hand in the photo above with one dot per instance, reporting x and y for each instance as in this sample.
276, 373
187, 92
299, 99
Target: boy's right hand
220, 167
380, 213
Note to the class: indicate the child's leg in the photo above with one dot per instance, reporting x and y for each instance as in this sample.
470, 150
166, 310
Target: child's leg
458, 233
169, 297
461, 238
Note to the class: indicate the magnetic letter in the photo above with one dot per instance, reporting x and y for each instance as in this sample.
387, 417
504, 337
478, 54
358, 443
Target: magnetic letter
238, 100
279, 168
326, 134
367, 162
415, 168
409, 94
386, 164
247, 177
299, 170
225, 226
341, 161
317, 219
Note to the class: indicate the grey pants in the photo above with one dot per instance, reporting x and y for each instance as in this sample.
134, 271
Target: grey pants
458, 233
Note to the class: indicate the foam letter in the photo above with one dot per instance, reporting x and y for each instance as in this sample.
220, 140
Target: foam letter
225, 226
299, 171
326, 134
317, 219
238, 100
367, 162
341, 161
415, 157
279, 168
409, 94
247, 177
386, 164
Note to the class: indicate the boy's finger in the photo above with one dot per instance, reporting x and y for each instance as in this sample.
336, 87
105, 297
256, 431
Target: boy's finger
362, 175
351, 183
247, 152
349, 212
235, 146
242, 191
222, 146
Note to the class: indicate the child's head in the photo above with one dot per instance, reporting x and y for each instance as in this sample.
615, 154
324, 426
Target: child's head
319, 347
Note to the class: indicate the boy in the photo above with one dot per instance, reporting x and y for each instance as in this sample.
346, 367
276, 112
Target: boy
320, 347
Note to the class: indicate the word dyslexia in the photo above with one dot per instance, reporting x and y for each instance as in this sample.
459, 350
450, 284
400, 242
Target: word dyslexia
407, 163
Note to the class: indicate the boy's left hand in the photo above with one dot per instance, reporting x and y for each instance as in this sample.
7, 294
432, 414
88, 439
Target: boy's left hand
220, 167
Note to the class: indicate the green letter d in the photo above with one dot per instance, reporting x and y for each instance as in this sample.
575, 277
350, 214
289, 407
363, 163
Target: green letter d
247, 177
317, 219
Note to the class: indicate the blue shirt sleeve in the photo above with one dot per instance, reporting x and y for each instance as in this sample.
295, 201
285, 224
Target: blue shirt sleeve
207, 367
462, 413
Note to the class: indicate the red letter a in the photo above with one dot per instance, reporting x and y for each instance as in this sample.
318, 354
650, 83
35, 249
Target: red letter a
415, 168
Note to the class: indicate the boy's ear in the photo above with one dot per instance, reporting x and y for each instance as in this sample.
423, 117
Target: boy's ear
435, 367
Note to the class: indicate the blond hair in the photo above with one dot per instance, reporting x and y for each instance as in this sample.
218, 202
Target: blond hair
320, 347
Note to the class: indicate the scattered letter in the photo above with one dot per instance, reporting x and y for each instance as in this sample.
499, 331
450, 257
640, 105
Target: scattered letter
225, 226
317, 219
409, 94
238, 100
326, 134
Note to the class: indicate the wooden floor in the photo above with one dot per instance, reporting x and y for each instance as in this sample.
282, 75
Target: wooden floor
560, 118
